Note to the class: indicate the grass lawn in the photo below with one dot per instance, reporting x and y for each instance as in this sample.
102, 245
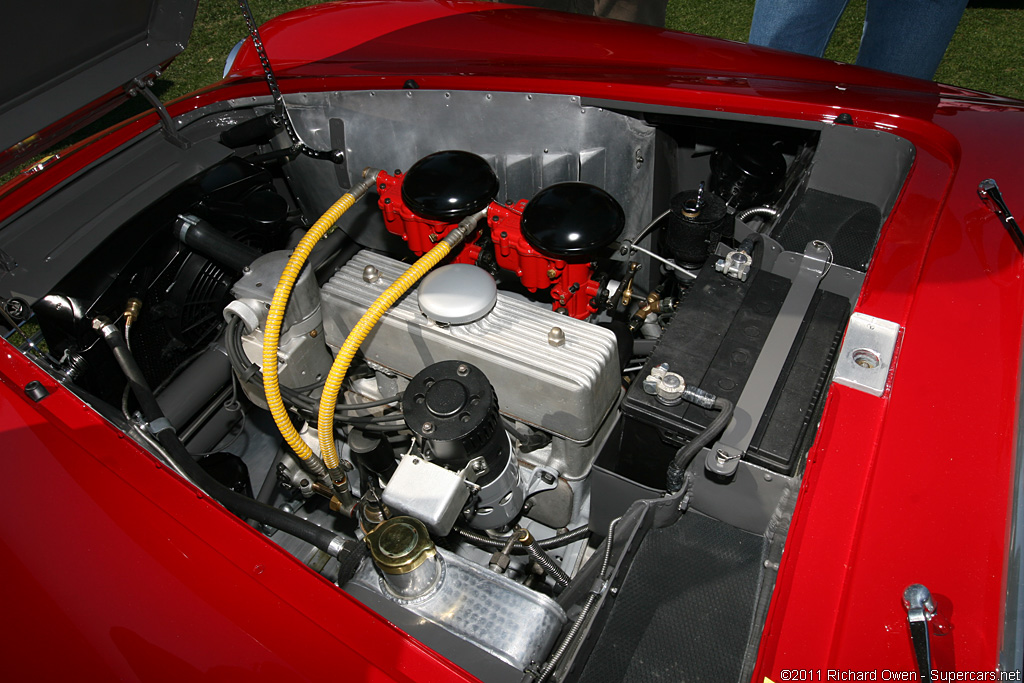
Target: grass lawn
985, 53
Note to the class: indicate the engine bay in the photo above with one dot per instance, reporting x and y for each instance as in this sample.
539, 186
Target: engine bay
575, 350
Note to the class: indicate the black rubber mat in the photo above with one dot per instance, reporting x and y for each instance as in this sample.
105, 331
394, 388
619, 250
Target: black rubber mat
685, 609
850, 227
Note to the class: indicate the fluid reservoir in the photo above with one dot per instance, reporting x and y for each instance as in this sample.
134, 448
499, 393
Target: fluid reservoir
403, 551
698, 221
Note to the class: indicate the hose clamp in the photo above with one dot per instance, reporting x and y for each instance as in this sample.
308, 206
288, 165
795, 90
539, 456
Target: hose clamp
336, 546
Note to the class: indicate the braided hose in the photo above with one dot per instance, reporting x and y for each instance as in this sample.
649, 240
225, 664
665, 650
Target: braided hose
275, 318
332, 386
545, 561
568, 537
584, 615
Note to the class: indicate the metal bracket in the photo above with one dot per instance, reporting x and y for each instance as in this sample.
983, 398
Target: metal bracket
917, 600
141, 86
724, 457
541, 479
866, 356
989, 192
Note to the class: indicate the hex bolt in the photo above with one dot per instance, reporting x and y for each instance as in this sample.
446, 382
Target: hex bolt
428, 427
462, 370
556, 337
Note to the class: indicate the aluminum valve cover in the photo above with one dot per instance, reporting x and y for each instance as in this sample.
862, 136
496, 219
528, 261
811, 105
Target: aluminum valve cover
566, 390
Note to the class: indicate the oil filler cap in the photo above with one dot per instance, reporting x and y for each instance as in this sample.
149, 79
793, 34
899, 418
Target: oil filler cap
457, 294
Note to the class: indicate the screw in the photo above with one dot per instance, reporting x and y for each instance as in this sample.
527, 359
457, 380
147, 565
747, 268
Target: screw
370, 274
312, 333
556, 337
552, 273
479, 466
304, 483
462, 370
428, 427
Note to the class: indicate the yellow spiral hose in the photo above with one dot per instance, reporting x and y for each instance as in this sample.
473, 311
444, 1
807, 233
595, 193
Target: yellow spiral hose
329, 397
275, 316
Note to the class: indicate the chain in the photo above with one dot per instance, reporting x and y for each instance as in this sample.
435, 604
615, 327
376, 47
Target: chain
280, 109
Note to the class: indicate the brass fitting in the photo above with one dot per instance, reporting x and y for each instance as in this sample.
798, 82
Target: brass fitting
132, 309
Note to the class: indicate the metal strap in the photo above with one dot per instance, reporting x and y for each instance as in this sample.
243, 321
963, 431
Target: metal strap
724, 457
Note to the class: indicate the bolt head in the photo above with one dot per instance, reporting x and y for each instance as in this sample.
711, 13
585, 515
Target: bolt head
370, 274
556, 337
462, 370
428, 428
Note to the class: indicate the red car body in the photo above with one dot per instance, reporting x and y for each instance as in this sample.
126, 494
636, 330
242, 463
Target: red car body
115, 568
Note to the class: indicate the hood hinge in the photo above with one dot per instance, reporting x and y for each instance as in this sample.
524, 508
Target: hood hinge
141, 85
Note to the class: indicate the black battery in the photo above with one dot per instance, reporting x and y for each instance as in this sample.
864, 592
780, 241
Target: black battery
713, 342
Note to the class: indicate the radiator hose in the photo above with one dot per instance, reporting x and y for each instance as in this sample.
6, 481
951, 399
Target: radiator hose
241, 505
275, 317
332, 386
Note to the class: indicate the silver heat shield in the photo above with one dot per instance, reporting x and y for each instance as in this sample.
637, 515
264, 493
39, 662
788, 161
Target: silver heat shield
566, 390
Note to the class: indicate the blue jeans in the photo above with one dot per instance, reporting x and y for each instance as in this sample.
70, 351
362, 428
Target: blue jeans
905, 37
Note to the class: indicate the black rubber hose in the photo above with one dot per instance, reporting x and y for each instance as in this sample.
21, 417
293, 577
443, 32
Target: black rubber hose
676, 475
213, 244
576, 534
240, 505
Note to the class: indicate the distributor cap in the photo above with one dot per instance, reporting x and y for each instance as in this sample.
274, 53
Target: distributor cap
452, 407
448, 186
572, 220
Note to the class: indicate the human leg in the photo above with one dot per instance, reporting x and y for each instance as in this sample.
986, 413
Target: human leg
908, 37
803, 26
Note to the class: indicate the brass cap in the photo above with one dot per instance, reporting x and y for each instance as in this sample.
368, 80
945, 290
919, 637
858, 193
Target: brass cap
400, 545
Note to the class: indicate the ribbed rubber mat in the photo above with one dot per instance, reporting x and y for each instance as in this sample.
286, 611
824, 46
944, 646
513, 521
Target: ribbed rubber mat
684, 612
850, 227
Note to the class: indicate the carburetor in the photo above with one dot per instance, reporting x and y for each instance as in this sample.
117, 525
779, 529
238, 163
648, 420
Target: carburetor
548, 242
